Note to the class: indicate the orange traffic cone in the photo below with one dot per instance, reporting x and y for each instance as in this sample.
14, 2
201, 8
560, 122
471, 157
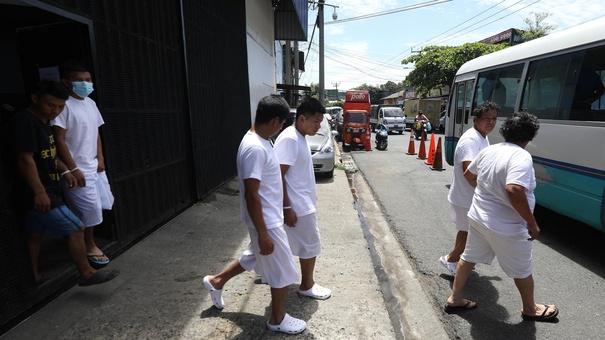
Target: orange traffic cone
411, 146
422, 150
368, 144
438, 164
431, 151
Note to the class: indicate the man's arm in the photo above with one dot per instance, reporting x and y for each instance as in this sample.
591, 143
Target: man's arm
69, 177
100, 158
516, 194
65, 156
29, 172
470, 177
289, 213
255, 210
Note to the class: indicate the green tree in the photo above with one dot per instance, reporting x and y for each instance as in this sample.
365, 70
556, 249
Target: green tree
536, 27
374, 91
436, 66
314, 90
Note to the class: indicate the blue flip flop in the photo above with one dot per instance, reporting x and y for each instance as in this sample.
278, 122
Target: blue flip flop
95, 262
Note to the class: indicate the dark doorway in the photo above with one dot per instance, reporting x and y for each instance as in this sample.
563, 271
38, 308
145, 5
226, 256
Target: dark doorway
33, 42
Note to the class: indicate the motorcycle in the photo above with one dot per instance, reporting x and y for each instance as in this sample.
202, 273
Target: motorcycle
382, 137
420, 127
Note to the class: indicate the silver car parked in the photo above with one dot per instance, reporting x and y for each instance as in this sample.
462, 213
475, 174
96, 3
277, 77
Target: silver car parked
322, 149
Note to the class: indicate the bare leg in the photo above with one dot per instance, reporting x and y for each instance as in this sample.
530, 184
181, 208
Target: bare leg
456, 298
307, 267
526, 289
33, 242
91, 247
77, 250
219, 280
278, 305
454, 256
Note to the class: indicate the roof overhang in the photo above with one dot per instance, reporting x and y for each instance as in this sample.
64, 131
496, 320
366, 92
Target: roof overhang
291, 19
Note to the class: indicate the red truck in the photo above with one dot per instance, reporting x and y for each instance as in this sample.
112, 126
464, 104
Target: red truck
356, 119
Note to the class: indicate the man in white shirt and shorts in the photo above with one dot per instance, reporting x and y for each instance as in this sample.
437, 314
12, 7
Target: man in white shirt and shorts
261, 197
300, 197
76, 132
461, 192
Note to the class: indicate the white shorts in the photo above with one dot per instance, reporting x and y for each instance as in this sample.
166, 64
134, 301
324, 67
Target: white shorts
304, 238
277, 269
513, 251
85, 202
458, 217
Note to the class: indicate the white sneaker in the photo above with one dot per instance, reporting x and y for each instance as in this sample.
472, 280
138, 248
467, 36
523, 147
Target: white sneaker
451, 266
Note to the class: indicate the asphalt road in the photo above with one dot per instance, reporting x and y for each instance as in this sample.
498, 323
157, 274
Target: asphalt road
568, 258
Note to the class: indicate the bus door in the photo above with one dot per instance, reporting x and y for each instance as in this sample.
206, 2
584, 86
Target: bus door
458, 115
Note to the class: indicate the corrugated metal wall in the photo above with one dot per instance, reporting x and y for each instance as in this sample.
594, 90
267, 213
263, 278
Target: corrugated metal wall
217, 65
168, 141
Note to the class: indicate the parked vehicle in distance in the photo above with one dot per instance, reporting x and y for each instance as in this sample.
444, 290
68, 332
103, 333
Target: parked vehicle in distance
382, 137
338, 125
409, 122
441, 126
334, 111
289, 121
390, 116
330, 120
356, 119
322, 149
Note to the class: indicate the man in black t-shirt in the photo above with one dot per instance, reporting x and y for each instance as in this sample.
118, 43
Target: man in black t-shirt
37, 189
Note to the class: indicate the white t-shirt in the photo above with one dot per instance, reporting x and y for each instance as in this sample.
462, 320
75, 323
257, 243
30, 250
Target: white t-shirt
469, 145
496, 166
292, 149
81, 120
256, 159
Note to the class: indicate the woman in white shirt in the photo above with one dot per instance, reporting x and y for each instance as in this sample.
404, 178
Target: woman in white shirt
501, 217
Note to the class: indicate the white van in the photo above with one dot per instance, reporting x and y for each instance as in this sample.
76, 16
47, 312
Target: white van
389, 115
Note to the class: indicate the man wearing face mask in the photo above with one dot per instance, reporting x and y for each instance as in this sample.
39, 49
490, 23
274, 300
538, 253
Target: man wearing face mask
78, 141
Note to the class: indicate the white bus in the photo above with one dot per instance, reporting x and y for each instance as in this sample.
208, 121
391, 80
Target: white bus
559, 78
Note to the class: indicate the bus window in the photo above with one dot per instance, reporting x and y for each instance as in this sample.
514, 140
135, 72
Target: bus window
459, 103
467, 100
588, 98
499, 86
549, 86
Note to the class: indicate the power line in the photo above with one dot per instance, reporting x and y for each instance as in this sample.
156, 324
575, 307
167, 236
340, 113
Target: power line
391, 11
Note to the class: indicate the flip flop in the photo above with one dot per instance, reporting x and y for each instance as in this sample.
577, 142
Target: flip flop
101, 276
317, 292
542, 317
466, 306
289, 325
216, 294
96, 261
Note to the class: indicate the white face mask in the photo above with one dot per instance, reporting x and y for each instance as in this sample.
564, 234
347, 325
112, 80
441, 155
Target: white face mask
82, 88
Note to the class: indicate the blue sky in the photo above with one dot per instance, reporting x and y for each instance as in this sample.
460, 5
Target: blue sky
370, 50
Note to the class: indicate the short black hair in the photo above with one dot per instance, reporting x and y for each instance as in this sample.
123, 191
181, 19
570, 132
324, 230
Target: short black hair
484, 107
310, 107
271, 106
71, 65
520, 127
52, 88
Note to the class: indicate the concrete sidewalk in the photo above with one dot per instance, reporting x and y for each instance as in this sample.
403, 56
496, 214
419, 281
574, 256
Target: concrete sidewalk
159, 293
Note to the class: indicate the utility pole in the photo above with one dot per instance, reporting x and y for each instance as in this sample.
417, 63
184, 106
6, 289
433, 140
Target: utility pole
320, 25
336, 85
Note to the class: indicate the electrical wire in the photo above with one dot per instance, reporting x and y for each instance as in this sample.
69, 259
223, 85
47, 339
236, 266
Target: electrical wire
391, 11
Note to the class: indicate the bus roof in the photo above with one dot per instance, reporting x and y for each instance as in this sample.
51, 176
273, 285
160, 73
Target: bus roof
584, 34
